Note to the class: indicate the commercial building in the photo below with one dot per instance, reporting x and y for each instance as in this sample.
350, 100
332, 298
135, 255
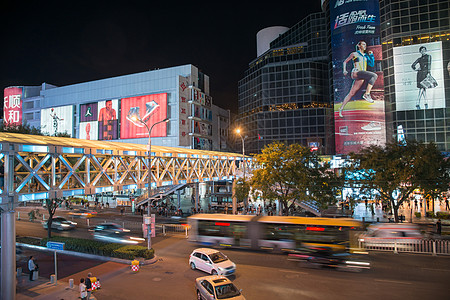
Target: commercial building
284, 94
304, 86
116, 109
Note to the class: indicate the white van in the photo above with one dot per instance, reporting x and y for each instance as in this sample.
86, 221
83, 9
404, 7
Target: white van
384, 236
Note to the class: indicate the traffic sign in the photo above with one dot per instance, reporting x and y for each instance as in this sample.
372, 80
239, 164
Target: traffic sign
55, 245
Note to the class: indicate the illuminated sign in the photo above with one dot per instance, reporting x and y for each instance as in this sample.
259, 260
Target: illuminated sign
88, 112
89, 130
150, 109
419, 76
57, 120
12, 106
184, 111
108, 126
357, 75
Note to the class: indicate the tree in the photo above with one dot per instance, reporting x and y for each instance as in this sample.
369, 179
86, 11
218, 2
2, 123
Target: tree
392, 172
23, 128
241, 190
292, 173
52, 205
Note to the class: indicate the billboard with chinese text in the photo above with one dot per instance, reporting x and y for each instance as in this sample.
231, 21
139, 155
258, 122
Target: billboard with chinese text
419, 76
57, 120
149, 109
357, 75
12, 106
184, 111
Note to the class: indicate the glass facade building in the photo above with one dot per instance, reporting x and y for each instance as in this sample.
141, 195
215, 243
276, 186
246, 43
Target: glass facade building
406, 26
284, 94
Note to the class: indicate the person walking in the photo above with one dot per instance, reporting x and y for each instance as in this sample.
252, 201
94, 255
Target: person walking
438, 227
31, 267
89, 285
83, 290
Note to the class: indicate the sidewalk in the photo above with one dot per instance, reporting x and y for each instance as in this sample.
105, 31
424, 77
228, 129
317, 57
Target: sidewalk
41, 289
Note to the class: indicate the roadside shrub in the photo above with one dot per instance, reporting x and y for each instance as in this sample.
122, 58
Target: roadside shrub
28, 240
418, 214
430, 214
443, 215
101, 248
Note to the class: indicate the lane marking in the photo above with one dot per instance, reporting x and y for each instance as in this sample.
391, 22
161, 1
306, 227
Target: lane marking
294, 272
393, 281
443, 270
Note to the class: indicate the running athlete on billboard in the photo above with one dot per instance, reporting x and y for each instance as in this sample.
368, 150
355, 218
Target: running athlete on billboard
359, 74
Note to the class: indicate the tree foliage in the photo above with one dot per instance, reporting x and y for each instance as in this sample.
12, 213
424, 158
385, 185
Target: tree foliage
241, 190
392, 172
28, 129
292, 173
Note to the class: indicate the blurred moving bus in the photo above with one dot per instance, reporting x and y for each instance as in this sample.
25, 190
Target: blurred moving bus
276, 233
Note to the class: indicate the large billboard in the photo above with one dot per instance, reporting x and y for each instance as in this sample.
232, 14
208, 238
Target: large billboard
12, 106
419, 76
149, 109
357, 74
57, 120
108, 122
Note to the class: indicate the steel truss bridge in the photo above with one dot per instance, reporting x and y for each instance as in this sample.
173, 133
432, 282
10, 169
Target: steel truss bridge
42, 167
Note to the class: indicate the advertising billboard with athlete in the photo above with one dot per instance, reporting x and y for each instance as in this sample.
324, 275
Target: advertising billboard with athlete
57, 120
136, 110
357, 75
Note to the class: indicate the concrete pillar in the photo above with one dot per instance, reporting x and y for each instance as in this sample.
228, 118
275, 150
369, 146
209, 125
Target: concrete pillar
179, 198
8, 268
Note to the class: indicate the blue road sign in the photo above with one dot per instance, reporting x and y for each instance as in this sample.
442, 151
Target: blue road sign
55, 245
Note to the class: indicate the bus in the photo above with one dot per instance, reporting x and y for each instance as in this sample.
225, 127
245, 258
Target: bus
274, 233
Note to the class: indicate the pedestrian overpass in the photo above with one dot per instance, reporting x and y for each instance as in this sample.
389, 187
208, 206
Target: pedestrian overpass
43, 167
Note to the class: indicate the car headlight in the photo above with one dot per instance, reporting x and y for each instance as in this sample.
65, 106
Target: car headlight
220, 269
65, 225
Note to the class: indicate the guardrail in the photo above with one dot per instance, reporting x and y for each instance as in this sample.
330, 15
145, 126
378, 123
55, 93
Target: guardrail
424, 246
172, 229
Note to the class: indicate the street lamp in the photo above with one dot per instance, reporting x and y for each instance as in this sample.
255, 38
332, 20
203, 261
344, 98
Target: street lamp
238, 131
137, 118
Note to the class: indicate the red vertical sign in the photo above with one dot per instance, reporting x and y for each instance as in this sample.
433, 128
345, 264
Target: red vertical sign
12, 111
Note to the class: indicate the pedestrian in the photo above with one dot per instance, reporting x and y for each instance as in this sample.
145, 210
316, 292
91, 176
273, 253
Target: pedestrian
88, 285
83, 290
439, 227
32, 267
121, 210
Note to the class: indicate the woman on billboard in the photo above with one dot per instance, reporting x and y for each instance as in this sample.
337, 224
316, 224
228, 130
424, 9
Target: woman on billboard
424, 78
359, 74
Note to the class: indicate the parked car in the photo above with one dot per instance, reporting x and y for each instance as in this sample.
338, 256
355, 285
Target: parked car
216, 287
82, 213
211, 261
60, 223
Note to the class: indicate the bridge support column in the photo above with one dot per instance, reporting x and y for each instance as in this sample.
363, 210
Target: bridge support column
8, 268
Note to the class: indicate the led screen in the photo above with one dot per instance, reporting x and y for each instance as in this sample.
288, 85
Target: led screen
57, 120
89, 130
149, 109
108, 126
419, 76
88, 112
184, 111
12, 106
357, 75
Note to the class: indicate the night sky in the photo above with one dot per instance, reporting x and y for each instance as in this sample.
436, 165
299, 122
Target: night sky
69, 42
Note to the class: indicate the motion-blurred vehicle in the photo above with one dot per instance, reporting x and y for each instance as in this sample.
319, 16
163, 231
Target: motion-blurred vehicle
114, 233
82, 213
402, 236
109, 227
60, 223
217, 287
326, 257
211, 261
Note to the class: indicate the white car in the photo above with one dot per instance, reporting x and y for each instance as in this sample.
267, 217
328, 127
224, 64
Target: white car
217, 287
211, 261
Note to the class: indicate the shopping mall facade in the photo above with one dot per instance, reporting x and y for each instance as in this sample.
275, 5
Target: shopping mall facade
115, 109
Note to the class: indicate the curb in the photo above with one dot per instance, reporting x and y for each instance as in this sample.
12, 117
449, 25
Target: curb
89, 256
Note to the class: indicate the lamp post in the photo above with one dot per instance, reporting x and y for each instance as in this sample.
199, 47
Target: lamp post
238, 131
137, 118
